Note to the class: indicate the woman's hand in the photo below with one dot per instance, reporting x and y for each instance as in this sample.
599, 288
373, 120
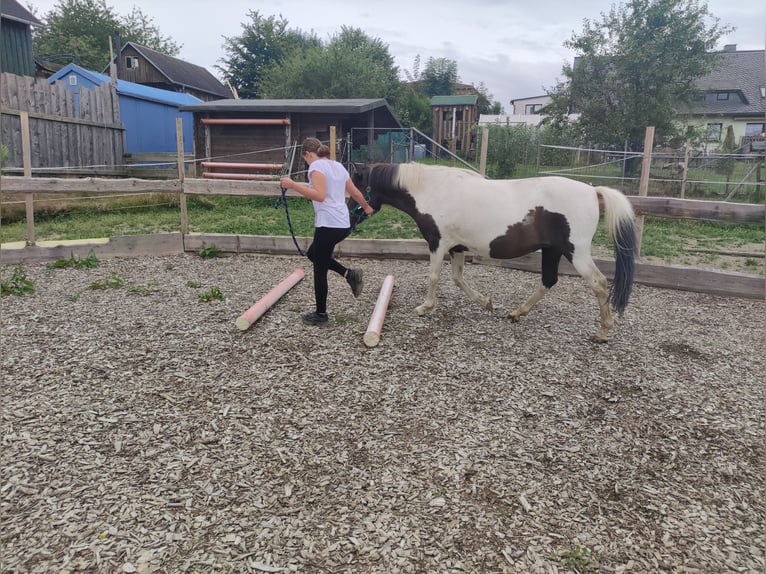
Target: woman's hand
368, 210
286, 182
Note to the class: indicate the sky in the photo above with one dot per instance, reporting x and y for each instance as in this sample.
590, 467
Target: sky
515, 48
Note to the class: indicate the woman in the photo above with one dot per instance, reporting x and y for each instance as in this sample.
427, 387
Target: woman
328, 184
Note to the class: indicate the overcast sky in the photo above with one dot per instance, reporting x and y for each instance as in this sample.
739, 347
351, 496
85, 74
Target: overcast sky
515, 48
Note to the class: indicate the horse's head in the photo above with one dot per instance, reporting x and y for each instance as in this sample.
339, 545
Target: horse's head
361, 178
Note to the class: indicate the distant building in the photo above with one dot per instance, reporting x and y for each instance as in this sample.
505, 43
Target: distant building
142, 65
734, 95
16, 38
453, 120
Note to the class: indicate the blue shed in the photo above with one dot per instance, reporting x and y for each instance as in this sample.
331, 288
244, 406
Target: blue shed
148, 114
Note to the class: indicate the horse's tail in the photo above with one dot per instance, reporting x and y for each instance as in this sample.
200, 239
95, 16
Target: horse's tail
620, 222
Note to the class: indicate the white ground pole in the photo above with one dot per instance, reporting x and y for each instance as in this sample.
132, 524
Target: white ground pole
372, 336
264, 304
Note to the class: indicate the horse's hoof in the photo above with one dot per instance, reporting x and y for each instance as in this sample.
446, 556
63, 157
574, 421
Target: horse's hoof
422, 310
514, 317
598, 339
488, 305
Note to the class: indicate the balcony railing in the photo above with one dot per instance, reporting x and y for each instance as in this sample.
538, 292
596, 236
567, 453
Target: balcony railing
753, 144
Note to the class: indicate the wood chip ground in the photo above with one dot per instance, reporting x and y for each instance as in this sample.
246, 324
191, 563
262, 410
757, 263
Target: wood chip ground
142, 432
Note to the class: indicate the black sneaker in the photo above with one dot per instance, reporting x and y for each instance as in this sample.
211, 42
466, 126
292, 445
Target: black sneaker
354, 278
319, 319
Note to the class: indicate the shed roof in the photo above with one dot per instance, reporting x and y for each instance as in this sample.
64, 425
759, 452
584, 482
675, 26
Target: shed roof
454, 100
12, 10
317, 106
128, 88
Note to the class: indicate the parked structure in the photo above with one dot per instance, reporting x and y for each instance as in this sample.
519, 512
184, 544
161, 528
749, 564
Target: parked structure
735, 95
16, 39
148, 114
142, 65
453, 121
247, 139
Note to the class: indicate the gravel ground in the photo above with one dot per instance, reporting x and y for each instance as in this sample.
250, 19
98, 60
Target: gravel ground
142, 432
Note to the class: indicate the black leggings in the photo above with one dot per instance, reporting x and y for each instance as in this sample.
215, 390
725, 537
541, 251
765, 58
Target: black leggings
320, 254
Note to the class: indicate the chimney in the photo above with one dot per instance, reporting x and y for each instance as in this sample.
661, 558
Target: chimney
730, 48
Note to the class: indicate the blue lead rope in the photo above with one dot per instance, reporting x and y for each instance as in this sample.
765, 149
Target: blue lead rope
283, 200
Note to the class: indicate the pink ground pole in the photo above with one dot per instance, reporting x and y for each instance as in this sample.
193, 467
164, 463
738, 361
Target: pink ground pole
372, 336
261, 306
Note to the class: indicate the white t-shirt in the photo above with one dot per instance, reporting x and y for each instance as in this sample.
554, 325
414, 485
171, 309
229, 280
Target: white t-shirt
332, 212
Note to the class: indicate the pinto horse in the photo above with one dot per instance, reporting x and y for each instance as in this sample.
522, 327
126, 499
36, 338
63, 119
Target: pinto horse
458, 210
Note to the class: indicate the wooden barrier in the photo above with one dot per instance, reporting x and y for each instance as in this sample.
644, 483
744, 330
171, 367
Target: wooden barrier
245, 121
372, 336
265, 303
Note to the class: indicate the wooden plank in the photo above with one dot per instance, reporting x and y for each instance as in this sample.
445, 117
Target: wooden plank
11, 184
65, 120
29, 198
233, 187
698, 209
663, 276
161, 244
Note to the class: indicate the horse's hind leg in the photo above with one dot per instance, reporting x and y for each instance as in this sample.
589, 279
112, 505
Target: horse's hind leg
597, 282
458, 266
549, 277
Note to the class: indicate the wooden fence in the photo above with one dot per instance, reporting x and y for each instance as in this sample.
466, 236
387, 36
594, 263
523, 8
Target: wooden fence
61, 134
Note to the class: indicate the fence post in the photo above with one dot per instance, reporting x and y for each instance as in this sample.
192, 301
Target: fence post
29, 198
180, 166
484, 144
685, 173
643, 184
332, 143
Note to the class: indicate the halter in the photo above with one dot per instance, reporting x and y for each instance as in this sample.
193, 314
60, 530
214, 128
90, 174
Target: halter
283, 199
357, 214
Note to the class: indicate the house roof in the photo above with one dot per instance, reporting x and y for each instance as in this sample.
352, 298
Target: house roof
454, 100
125, 88
12, 10
319, 106
179, 72
739, 72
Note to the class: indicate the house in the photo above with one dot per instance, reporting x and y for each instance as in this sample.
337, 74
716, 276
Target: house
734, 95
453, 120
16, 39
142, 65
148, 114
248, 139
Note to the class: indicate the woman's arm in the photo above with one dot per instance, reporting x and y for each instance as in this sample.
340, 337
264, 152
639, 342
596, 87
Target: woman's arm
358, 196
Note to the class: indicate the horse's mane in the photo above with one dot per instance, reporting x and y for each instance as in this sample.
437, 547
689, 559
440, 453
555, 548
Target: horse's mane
411, 175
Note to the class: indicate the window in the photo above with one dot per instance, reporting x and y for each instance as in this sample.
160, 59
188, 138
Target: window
72, 80
131, 63
722, 96
754, 130
531, 109
714, 132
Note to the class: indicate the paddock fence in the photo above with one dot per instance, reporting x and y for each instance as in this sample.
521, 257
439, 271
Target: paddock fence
665, 276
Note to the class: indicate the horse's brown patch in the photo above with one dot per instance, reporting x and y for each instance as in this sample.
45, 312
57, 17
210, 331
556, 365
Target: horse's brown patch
539, 228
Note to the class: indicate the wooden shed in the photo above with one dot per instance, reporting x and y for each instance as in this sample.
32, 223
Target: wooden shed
148, 114
142, 65
453, 120
16, 38
249, 139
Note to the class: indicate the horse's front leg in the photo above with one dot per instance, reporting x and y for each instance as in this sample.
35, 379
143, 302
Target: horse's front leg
433, 277
458, 267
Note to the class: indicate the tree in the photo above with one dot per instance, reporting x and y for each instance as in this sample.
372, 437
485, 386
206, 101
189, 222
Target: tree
264, 45
81, 29
351, 65
635, 68
439, 77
